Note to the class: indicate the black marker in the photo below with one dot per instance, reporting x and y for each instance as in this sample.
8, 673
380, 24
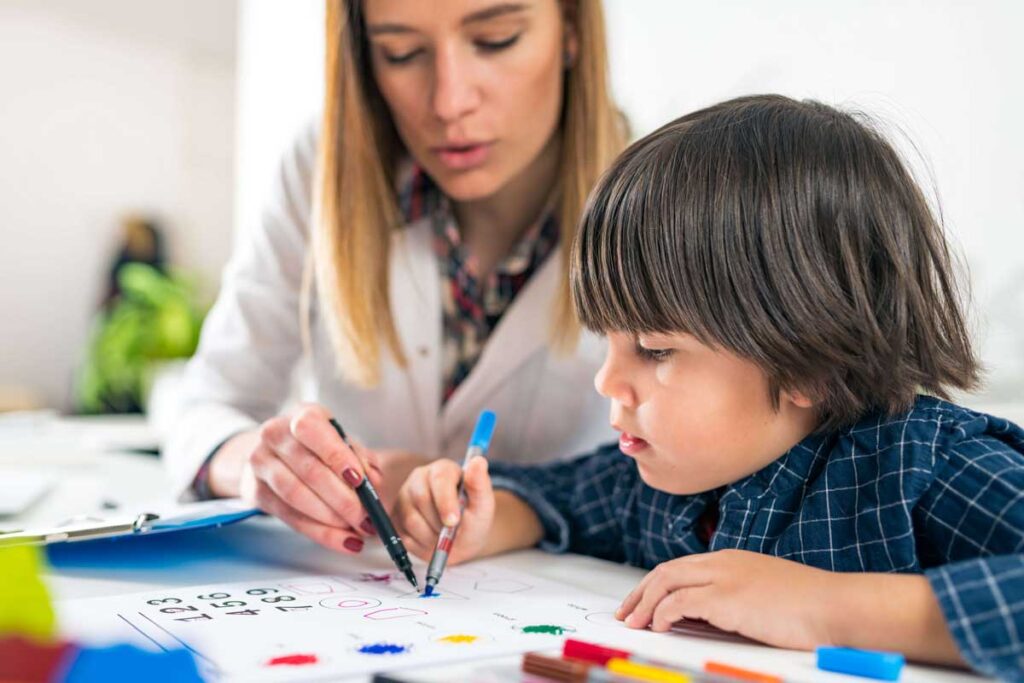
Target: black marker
379, 517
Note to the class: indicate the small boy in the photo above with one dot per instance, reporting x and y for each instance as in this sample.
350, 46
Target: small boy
777, 298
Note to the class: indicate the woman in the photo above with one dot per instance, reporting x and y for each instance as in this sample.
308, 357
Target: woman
416, 250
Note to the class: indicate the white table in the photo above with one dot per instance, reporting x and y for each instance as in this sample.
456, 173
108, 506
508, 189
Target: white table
265, 549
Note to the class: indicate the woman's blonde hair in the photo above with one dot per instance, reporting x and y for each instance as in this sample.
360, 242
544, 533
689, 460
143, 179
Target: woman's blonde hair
356, 198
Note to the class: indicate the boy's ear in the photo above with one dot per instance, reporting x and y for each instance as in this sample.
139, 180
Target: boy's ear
797, 398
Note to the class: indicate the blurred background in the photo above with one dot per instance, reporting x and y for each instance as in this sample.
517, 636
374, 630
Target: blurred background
137, 139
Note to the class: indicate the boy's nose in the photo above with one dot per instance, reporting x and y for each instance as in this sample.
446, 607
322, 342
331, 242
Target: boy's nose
611, 383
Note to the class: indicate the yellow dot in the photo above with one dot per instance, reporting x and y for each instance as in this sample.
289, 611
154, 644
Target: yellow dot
458, 638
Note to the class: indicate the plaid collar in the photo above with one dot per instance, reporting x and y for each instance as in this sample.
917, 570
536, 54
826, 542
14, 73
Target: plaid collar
471, 306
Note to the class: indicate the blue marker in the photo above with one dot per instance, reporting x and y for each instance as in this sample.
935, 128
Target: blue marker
884, 666
477, 446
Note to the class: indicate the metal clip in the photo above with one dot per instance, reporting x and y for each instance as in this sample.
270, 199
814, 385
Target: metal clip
141, 522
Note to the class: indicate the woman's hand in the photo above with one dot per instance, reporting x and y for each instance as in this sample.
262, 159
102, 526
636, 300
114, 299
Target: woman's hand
297, 468
775, 601
430, 498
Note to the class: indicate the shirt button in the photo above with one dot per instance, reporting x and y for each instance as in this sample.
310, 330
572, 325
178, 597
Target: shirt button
424, 351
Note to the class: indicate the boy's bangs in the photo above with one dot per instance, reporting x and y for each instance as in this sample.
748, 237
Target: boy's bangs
626, 272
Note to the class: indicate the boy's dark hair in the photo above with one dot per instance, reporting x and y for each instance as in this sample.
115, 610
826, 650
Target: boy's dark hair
789, 233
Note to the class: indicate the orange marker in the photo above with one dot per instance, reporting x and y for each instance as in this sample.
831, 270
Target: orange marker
736, 672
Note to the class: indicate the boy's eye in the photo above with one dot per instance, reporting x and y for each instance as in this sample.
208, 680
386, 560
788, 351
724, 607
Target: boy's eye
497, 45
652, 354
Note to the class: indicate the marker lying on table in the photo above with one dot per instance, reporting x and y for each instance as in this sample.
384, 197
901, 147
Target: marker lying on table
568, 671
617, 660
885, 666
381, 522
478, 444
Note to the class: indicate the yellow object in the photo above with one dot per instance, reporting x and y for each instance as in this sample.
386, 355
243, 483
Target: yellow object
25, 607
458, 638
645, 672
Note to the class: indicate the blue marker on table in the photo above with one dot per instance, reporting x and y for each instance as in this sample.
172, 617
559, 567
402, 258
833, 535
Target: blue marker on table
478, 444
884, 666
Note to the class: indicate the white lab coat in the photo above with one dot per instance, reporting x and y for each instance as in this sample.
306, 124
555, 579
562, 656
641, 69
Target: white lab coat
546, 404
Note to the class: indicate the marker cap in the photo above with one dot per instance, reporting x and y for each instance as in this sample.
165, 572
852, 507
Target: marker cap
484, 430
884, 666
589, 652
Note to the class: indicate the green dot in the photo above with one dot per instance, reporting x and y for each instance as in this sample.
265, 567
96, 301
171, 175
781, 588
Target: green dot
548, 629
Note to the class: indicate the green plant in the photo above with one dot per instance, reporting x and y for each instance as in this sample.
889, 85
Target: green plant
155, 318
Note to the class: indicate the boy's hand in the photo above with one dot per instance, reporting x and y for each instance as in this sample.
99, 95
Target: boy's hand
775, 601
430, 498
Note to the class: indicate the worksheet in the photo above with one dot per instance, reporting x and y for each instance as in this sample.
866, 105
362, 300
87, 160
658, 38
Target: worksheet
350, 623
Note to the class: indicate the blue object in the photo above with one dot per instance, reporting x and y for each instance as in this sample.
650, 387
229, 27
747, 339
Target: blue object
183, 522
127, 663
484, 430
885, 666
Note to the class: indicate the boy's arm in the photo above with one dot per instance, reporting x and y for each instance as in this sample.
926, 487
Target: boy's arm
972, 519
516, 525
578, 504
897, 612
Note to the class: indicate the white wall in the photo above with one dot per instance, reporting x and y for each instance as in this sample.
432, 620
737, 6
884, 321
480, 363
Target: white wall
947, 72
106, 106
280, 86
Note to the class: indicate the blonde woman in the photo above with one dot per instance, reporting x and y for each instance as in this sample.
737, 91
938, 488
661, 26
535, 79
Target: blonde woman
415, 250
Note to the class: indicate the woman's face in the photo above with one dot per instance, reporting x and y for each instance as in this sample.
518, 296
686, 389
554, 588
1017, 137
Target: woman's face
474, 86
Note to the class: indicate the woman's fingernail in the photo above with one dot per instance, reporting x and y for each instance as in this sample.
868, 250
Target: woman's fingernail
367, 526
351, 477
451, 520
353, 544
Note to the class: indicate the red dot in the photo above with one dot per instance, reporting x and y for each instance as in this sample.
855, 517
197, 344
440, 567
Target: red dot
292, 660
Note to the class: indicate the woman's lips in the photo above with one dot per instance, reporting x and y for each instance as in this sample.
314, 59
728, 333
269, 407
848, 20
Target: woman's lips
631, 445
462, 157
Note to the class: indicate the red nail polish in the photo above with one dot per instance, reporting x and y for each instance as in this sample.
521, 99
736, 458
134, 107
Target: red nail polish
353, 544
351, 477
367, 526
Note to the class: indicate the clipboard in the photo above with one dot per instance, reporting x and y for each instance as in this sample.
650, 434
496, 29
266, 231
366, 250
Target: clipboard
199, 515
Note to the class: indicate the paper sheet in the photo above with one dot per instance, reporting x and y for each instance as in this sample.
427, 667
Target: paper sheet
353, 622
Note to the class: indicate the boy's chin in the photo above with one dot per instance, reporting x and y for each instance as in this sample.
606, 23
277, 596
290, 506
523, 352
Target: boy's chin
672, 484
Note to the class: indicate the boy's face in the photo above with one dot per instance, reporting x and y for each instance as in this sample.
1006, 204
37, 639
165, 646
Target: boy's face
693, 417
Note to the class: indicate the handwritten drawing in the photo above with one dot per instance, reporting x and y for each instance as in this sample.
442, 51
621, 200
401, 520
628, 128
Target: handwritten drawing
388, 613
350, 602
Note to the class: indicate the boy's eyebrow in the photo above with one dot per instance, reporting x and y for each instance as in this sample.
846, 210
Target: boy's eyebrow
484, 14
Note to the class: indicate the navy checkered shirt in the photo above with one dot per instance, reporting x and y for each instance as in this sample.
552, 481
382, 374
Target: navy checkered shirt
938, 490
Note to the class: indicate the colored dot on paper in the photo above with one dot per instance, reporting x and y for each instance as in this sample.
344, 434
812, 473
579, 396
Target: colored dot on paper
293, 660
459, 638
383, 649
548, 629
